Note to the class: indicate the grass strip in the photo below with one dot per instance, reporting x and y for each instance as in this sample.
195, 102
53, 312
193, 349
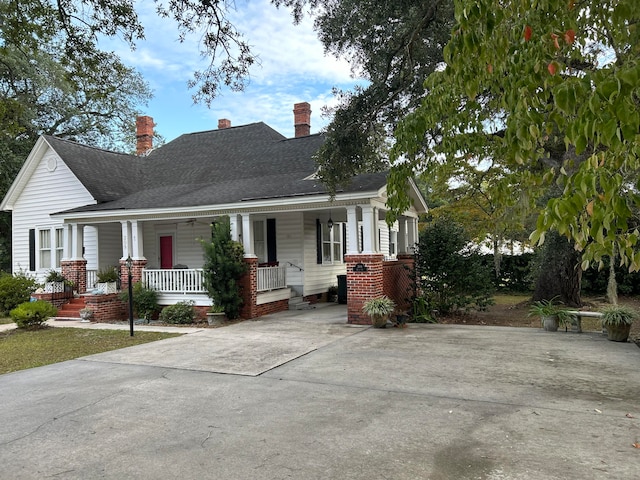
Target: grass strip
21, 349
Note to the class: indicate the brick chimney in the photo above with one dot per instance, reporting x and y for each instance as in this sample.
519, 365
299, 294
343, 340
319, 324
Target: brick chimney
224, 123
302, 119
144, 134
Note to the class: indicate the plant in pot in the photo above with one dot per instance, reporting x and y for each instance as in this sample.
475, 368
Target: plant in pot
223, 267
86, 314
551, 314
617, 319
108, 280
216, 315
379, 309
54, 282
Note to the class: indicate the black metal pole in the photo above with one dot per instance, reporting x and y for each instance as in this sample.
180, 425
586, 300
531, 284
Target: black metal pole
130, 305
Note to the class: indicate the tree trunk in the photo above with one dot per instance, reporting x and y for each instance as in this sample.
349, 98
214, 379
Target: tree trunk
560, 274
497, 256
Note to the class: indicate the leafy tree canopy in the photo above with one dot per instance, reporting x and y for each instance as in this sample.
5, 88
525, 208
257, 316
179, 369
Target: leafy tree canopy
394, 45
79, 23
549, 92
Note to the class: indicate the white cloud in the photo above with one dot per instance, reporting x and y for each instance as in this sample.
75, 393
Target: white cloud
293, 68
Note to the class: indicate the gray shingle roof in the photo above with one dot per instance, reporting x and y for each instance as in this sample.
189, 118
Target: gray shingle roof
205, 168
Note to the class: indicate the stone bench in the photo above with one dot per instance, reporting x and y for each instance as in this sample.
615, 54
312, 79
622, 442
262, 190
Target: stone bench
577, 318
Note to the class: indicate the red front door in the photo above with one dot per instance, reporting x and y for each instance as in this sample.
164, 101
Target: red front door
166, 252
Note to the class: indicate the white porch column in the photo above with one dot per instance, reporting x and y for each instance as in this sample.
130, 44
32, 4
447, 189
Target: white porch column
247, 236
368, 227
66, 241
137, 249
402, 235
352, 230
235, 231
126, 239
412, 233
77, 241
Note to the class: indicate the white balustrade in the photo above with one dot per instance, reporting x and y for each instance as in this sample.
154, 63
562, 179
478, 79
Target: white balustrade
271, 278
187, 280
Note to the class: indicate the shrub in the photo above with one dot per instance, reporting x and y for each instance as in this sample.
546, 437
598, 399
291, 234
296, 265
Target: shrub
145, 301
54, 276
180, 313
15, 290
32, 314
450, 272
223, 267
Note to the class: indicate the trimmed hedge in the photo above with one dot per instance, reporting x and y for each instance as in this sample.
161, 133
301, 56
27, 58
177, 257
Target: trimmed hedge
33, 314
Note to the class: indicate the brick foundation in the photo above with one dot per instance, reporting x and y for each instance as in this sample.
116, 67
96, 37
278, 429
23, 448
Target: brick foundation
363, 286
107, 308
55, 299
76, 272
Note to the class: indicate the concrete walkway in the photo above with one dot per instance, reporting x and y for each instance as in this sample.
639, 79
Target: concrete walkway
302, 395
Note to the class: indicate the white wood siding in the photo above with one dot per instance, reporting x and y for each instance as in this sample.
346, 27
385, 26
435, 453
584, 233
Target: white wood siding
290, 247
109, 245
318, 278
186, 242
47, 191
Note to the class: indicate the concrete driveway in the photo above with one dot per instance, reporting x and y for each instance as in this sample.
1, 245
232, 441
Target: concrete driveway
302, 395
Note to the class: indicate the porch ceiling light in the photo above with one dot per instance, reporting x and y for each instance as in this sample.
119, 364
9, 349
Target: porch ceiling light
330, 223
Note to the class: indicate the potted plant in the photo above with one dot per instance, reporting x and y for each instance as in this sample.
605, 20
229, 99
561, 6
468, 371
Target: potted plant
86, 314
379, 309
54, 282
107, 280
551, 314
617, 319
216, 315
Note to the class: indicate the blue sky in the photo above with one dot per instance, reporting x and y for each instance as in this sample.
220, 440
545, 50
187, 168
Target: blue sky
293, 68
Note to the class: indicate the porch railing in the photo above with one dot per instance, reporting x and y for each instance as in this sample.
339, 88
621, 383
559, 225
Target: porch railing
92, 278
187, 280
271, 278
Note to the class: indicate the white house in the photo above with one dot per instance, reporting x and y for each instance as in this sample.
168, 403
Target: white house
79, 209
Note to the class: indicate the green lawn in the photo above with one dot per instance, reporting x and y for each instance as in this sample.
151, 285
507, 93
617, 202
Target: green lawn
22, 349
5, 320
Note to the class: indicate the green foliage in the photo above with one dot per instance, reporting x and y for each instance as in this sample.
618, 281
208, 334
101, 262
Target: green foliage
394, 45
449, 272
546, 92
15, 290
54, 276
422, 312
381, 306
224, 266
179, 313
618, 315
515, 272
145, 300
108, 274
33, 314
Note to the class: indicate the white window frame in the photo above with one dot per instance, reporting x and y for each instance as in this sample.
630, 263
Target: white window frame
260, 246
58, 234
332, 243
44, 237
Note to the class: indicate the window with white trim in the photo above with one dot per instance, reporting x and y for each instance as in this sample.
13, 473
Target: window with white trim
59, 246
44, 246
332, 243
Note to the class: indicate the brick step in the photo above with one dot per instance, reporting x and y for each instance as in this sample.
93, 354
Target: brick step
72, 308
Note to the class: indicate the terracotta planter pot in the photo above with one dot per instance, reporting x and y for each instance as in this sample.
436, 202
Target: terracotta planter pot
618, 333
